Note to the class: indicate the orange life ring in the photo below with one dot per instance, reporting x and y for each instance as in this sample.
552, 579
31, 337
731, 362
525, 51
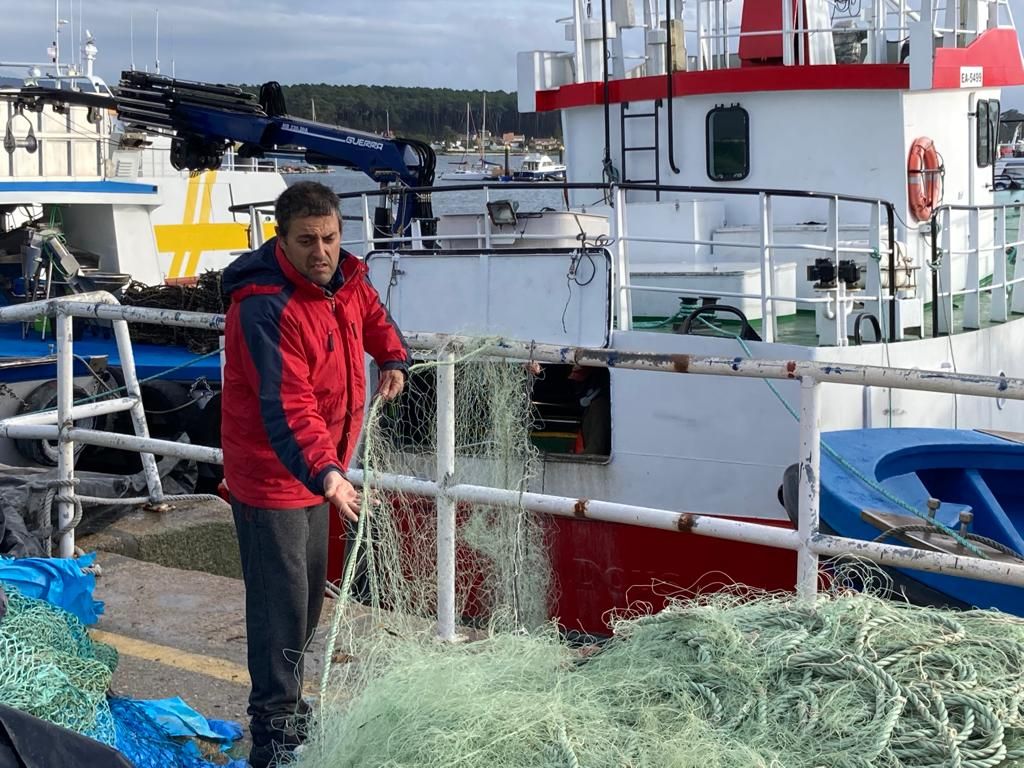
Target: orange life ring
924, 178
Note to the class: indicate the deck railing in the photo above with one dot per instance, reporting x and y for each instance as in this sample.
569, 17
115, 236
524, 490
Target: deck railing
807, 540
950, 240
968, 242
878, 251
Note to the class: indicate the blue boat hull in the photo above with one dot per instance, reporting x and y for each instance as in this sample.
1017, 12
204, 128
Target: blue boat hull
966, 471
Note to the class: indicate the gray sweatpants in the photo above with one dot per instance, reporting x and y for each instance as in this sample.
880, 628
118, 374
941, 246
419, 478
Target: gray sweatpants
284, 565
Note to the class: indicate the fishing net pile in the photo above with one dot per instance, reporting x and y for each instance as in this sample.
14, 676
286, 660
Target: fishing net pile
721, 681
51, 669
853, 681
204, 296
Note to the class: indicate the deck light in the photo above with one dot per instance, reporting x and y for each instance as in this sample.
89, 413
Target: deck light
502, 213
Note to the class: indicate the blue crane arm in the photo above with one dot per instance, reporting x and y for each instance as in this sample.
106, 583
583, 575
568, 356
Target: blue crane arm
207, 119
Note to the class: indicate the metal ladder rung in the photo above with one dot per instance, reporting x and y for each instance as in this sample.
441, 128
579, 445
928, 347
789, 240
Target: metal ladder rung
639, 149
639, 114
639, 181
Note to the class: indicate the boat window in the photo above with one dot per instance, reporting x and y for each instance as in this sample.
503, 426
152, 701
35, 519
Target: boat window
987, 135
728, 143
571, 411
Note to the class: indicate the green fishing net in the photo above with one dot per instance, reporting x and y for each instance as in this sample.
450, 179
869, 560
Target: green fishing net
720, 681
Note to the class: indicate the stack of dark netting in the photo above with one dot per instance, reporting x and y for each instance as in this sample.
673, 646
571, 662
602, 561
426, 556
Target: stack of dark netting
204, 296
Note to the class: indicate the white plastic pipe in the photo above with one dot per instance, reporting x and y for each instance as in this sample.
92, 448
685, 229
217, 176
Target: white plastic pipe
84, 411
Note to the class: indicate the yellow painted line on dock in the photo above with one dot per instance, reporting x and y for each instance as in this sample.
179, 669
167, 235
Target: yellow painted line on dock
210, 666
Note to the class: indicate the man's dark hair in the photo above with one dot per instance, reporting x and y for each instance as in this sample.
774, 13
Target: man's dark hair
306, 198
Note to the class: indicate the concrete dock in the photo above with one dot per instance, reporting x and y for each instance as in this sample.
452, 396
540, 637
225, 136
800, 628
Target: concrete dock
175, 609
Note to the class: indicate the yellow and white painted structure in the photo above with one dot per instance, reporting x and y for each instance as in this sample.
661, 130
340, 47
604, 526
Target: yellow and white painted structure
193, 228
125, 203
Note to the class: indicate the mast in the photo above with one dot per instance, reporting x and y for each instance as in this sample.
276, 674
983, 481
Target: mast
483, 128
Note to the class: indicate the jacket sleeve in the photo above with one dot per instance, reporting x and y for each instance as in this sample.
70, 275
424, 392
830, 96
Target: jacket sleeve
382, 338
281, 377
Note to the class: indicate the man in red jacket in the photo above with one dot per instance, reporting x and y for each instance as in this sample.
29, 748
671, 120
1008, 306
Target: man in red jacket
302, 315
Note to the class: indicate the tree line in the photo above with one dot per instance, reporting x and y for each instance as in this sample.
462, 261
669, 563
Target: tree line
429, 114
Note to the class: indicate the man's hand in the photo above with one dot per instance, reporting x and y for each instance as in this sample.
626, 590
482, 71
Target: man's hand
391, 384
342, 494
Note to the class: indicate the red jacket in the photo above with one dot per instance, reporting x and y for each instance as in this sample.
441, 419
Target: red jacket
294, 377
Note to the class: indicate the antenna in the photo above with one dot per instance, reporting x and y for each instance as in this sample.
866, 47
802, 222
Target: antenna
157, 49
131, 37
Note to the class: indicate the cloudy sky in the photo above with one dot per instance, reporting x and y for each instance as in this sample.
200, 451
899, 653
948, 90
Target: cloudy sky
442, 43
452, 43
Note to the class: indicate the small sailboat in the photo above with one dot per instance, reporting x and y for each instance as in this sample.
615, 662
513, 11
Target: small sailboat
480, 169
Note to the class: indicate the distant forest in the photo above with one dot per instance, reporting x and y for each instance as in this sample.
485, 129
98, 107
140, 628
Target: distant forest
430, 114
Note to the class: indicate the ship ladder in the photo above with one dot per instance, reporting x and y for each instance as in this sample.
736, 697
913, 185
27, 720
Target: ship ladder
624, 115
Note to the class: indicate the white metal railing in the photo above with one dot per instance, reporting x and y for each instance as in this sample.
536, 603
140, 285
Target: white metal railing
951, 239
806, 540
58, 424
836, 299
966, 244
957, 22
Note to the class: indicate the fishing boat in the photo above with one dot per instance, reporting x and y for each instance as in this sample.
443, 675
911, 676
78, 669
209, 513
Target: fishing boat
876, 238
115, 196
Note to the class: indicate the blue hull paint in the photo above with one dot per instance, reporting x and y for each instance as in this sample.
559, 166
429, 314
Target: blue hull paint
150, 359
962, 469
78, 187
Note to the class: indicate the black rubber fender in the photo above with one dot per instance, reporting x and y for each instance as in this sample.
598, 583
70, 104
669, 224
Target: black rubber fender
43, 397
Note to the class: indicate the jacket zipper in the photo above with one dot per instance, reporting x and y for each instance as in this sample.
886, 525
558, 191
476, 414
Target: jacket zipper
330, 334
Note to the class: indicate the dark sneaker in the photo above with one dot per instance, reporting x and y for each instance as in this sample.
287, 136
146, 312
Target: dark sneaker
268, 755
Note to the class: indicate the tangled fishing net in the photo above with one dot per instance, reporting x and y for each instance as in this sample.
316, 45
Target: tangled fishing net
722, 681
204, 296
852, 681
503, 577
52, 670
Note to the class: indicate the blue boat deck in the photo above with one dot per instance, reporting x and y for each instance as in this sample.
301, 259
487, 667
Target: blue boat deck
151, 360
965, 471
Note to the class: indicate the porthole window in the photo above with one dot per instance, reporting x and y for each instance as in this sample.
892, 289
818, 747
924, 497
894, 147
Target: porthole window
728, 143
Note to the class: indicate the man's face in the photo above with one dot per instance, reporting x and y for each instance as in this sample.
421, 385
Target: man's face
313, 246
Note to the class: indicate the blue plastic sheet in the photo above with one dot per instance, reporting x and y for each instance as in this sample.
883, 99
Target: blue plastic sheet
59, 581
150, 733
145, 743
179, 719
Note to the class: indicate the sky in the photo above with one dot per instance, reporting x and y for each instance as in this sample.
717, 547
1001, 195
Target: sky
439, 43
435, 43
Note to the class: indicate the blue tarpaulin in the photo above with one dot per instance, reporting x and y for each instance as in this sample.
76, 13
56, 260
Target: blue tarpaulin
57, 580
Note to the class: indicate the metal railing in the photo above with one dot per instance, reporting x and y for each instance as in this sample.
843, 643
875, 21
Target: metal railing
882, 290
881, 21
806, 540
880, 248
949, 241
59, 424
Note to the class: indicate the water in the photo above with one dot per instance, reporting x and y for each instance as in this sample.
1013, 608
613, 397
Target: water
346, 181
